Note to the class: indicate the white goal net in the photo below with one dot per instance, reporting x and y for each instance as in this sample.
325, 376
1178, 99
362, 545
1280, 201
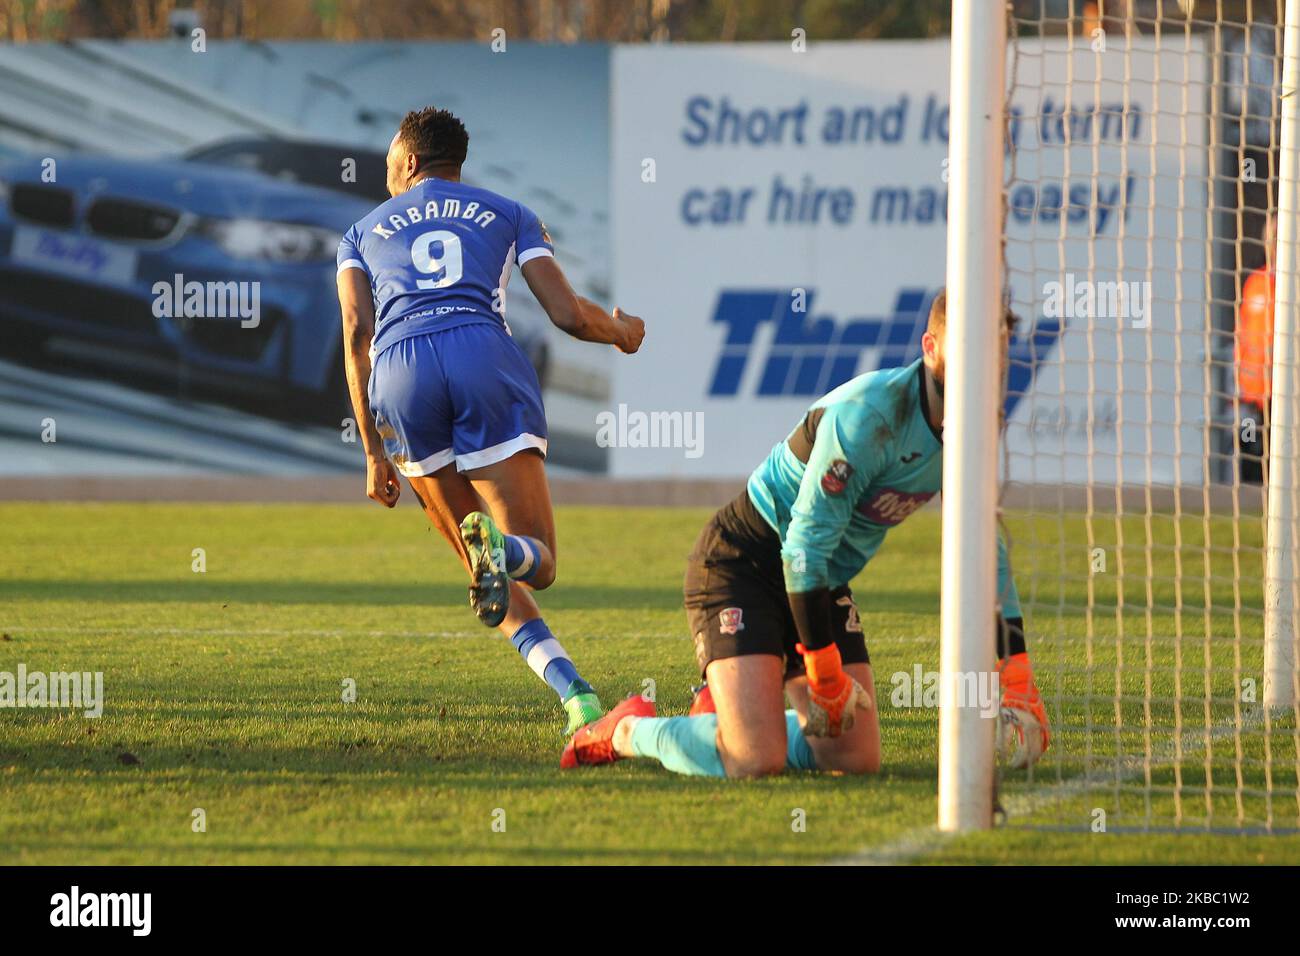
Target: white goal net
1145, 166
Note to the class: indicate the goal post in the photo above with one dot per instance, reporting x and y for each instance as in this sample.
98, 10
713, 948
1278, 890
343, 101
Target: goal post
972, 393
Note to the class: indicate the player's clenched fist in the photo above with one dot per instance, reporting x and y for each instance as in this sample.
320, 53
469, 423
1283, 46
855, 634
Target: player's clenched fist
381, 482
633, 330
833, 696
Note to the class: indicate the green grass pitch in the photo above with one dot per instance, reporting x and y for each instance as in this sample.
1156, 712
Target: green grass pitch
226, 687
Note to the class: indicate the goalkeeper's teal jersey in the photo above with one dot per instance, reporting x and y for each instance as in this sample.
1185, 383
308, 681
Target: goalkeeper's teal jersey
871, 460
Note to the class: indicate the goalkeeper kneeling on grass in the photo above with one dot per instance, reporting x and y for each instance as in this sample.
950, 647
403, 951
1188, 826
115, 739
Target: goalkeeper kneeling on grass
768, 601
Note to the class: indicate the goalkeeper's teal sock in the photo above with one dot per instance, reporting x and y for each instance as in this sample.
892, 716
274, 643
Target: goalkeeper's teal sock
798, 755
686, 745
689, 745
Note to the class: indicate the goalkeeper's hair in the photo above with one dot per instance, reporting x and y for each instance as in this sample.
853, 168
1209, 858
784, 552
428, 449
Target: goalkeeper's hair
939, 316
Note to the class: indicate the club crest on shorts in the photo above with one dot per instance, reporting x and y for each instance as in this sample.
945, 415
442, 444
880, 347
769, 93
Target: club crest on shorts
730, 620
837, 477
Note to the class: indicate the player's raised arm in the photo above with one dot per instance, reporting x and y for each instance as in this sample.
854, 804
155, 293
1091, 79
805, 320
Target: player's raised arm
579, 316
358, 311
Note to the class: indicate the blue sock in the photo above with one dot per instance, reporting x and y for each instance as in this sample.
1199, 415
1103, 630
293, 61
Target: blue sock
523, 555
798, 755
686, 745
543, 653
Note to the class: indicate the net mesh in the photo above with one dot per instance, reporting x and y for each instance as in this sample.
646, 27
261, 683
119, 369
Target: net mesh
1140, 192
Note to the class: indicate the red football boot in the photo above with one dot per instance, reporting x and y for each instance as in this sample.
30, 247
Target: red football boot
594, 743
702, 703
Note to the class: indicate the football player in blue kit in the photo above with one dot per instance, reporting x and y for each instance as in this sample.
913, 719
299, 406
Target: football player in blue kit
445, 397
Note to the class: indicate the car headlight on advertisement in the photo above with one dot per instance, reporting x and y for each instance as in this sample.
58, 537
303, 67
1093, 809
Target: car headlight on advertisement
273, 241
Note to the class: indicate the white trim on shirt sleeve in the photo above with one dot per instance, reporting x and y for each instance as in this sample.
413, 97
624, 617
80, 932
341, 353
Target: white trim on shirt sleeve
353, 264
533, 253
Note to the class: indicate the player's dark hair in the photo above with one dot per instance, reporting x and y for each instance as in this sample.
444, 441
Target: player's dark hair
938, 321
435, 136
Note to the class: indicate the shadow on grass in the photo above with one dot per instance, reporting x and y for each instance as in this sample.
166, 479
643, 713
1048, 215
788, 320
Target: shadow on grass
207, 588
363, 764
355, 593
216, 851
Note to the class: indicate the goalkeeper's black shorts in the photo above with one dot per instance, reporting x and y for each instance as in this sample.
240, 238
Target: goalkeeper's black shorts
735, 595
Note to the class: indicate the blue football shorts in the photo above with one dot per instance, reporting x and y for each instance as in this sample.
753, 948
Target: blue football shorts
466, 394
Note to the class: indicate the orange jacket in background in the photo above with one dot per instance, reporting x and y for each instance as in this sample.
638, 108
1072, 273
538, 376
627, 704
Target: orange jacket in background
1254, 351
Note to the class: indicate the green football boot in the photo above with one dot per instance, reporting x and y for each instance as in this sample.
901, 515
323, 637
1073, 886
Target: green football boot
582, 705
489, 595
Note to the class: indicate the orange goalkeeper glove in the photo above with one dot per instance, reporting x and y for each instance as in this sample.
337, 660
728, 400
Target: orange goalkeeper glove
1020, 693
833, 696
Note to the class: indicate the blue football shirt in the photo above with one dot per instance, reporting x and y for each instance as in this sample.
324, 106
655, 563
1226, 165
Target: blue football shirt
440, 255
